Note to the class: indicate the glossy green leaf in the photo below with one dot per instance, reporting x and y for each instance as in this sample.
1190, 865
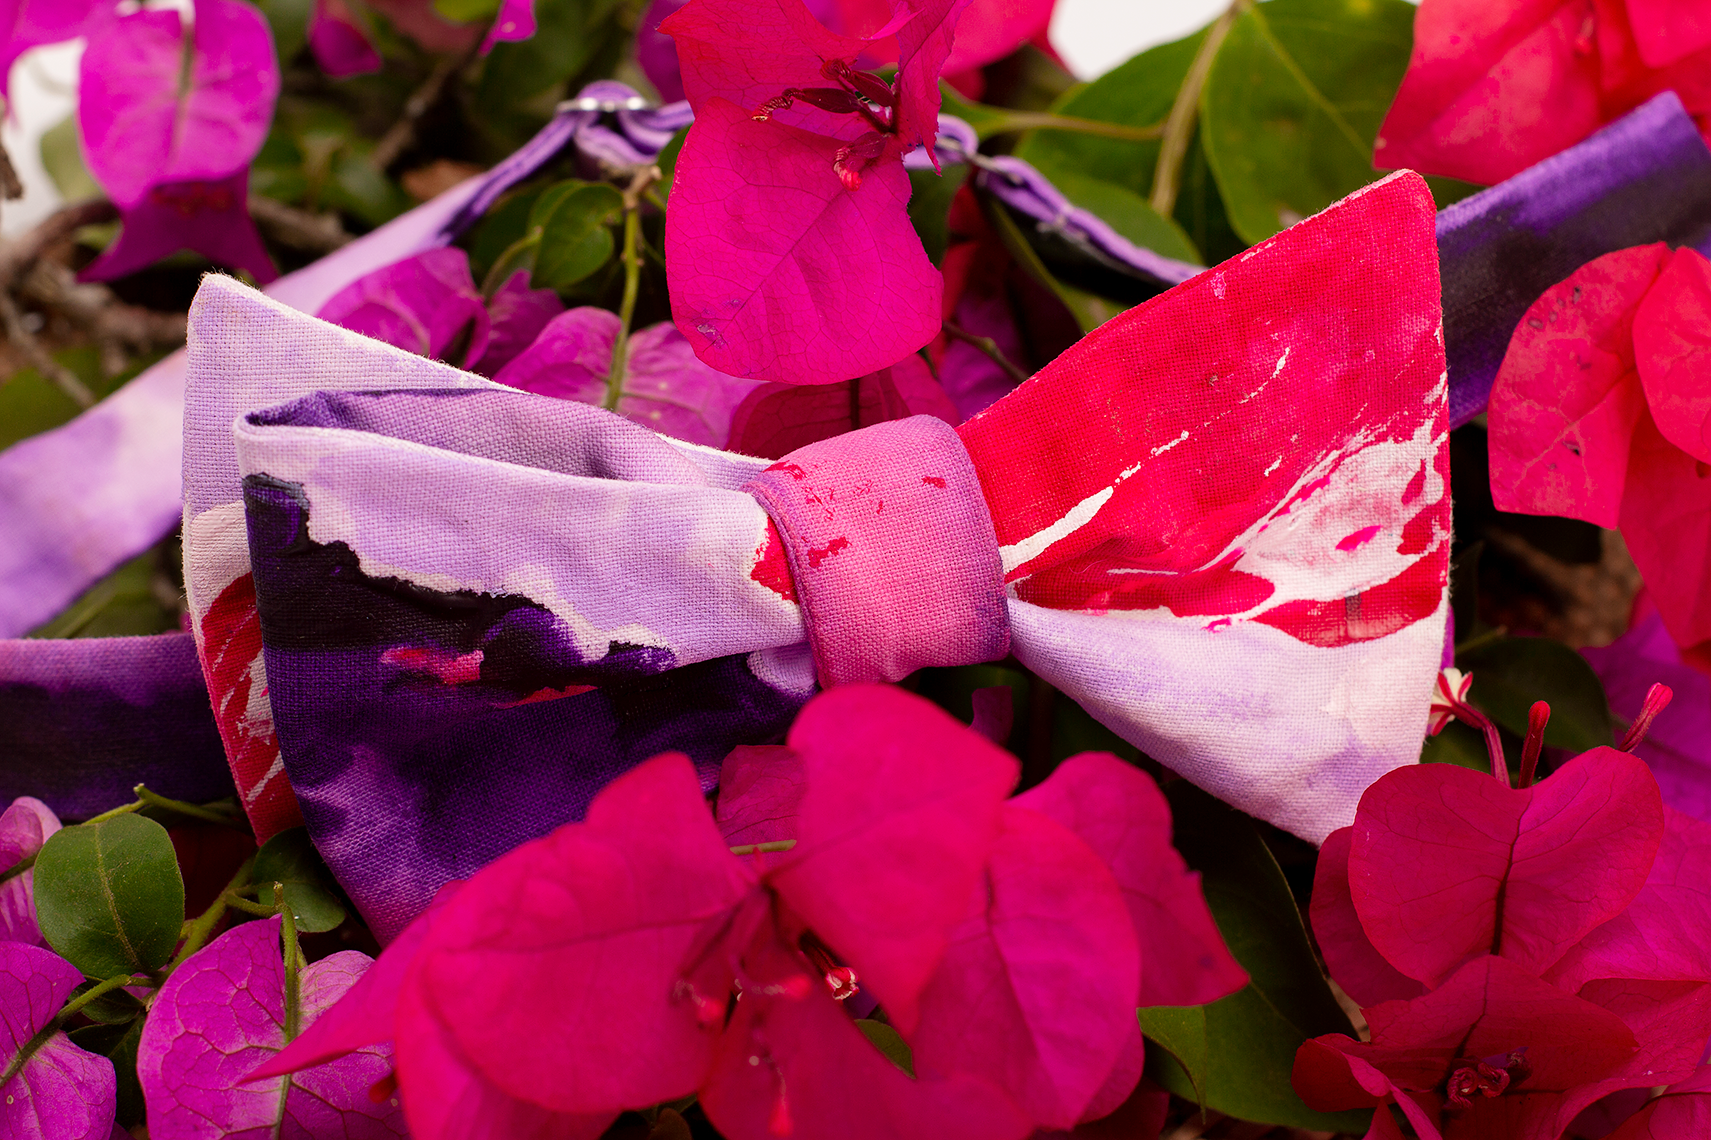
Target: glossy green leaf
1509, 674
289, 20
930, 206
1457, 744
1252, 1035
118, 1043
289, 858
575, 240
1129, 214
890, 1042
498, 229
569, 35
109, 897
1180, 1030
1293, 102
115, 1007
1089, 310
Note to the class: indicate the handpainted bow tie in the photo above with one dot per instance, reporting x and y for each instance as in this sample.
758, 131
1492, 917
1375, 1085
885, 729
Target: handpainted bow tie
1220, 523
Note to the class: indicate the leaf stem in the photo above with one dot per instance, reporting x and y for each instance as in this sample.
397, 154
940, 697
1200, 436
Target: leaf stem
71, 1009
125, 809
1184, 112
758, 848
238, 902
197, 931
293, 955
18, 868
644, 178
988, 347
193, 811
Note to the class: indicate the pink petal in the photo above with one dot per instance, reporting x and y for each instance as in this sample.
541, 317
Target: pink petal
515, 21
797, 1067
1669, 30
780, 273
1037, 990
571, 358
62, 1092
1491, 89
760, 793
669, 390
1441, 854
367, 1014
421, 304
923, 46
1350, 957
24, 827
989, 30
139, 129
589, 930
1567, 398
775, 419
1662, 933
222, 1012
518, 314
901, 808
210, 218
1678, 747
1120, 1102
1120, 813
1666, 521
749, 51
1684, 1109
447, 1098
1671, 1021
1672, 347
340, 45
25, 24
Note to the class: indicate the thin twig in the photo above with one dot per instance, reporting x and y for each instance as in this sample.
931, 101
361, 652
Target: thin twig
401, 134
10, 186
25, 340
17, 255
987, 347
1179, 126
318, 234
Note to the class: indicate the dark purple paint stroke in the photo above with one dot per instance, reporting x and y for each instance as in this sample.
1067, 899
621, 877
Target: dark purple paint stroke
1644, 178
406, 782
83, 721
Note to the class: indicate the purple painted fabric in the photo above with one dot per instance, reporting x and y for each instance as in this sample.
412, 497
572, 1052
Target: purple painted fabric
82, 721
892, 553
1644, 178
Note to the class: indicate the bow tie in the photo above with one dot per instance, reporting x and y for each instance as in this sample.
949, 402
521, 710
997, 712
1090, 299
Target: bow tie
1220, 522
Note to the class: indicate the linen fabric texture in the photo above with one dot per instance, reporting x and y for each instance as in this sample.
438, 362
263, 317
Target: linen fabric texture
1221, 522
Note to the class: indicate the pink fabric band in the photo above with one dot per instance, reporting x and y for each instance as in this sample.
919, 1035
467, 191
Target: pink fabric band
891, 549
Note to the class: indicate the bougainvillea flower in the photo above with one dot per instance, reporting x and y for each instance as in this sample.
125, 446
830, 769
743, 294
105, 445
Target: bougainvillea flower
210, 218
62, 1091
517, 314
25, 24
1678, 747
987, 30
1350, 956
341, 45
913, 881
24, 827
1602, 411
427, 304
665, 387
1493, 1052
514, 21
169, 132
1683, 1109
1494, 88
776, 419
1526, 872
789, 249
221, 1014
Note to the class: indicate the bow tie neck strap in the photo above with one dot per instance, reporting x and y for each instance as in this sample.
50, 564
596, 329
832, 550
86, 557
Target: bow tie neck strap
891, 550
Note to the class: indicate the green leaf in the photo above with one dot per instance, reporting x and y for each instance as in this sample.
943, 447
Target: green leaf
930, 206
499, 229
1509, 674
569, 35
115, 1007
575, 240
290, 858
1293, 102
466, 11
289, 20
1089, 310
1129, 214
890, 1042
1252, 1035
1180, 1030
62, 157
1457, 744
109, 897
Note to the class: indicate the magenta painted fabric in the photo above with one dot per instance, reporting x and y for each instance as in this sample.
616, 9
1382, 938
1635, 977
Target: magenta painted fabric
221, 1014
789, 229
62, 1091
891, 551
